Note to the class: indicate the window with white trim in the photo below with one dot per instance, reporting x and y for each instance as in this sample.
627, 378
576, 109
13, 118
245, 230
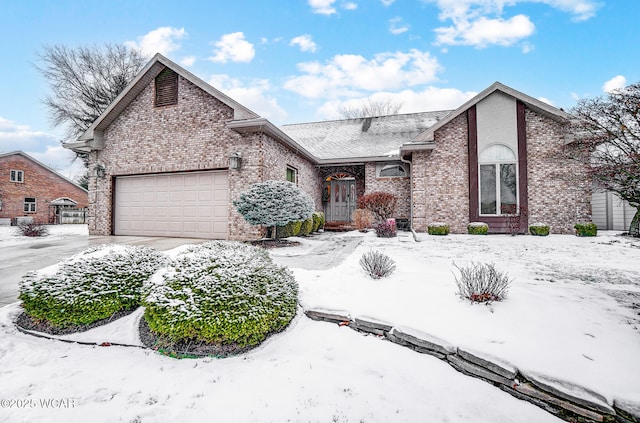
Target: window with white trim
391, 170
498, 178
292, 174
29, 205
16, 176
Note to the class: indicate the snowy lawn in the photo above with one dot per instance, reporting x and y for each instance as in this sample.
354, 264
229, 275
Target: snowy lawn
569, 314
572, 311
9, 235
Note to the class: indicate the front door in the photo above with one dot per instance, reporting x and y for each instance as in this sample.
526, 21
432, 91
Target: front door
343, 200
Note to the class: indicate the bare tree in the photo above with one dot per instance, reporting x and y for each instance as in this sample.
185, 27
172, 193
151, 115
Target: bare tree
85, 80
370, 108
609, 127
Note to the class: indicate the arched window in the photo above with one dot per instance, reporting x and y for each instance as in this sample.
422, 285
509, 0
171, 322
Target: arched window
392, 170
498, 181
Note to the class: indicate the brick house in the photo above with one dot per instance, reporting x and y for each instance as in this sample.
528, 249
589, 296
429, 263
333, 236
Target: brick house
171, 153
32, 189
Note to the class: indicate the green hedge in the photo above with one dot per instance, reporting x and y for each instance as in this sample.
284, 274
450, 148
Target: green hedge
477, 228
438, 229
586, 229
307, 227
221, 292
89, 286
539, 229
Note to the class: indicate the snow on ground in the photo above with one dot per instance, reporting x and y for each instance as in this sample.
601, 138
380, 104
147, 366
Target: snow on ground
9, 235
570, 311
569, 315
313, 372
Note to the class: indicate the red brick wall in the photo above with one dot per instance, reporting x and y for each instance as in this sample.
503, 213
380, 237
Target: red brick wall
398, 186
40, 183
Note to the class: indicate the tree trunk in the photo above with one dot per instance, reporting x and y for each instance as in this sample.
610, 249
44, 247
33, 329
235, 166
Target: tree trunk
634, 228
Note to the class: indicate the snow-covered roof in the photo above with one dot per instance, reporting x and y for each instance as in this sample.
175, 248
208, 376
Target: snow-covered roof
377, 137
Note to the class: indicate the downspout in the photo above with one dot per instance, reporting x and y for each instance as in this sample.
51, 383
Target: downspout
415, 235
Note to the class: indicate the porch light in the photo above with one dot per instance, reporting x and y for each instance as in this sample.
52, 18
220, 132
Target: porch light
101, 172
235, 161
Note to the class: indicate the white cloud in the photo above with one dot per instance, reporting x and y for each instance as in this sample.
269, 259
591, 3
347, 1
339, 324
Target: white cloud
428, 99
349, 75
161, 40
350, 6
483, 32
323, 7
61, 160
397, 26
387, 2
253, 95
527, 47
481, 22
233, 47
615, 83
188, 61
305, 42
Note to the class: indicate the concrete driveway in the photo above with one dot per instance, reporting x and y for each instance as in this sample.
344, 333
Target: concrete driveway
16, 260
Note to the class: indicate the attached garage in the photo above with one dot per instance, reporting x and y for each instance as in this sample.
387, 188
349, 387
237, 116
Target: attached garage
188, 205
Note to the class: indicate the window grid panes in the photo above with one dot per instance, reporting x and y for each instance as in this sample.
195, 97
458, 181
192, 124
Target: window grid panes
29, 205
292, 175
498, 181
16, 176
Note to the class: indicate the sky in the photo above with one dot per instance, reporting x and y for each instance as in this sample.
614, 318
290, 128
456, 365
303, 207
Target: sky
302, 60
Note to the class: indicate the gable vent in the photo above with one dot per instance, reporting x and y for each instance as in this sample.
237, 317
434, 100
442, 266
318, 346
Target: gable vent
166, 88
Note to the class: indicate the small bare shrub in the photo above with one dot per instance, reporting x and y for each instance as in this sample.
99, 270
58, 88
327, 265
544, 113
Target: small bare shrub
32, 229
377, 264
482, 283
363, 219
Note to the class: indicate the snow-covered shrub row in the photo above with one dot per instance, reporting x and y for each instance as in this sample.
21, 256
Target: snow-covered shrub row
301, 227
318, 221
477, 228
586, 229
32, 229
377, 265
481, 283
220, 292
89, 286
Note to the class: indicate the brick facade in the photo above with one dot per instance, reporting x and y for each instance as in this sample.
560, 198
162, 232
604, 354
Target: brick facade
398, 186
191, 135
559, 191
39, 182
441, 179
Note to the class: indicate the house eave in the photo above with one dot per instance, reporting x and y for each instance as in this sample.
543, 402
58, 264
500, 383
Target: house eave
262, 125
406, 149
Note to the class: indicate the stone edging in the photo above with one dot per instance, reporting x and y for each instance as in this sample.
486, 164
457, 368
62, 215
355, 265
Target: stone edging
566, 400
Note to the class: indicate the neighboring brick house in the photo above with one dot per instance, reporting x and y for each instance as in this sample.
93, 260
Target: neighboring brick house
30, 188
171, 153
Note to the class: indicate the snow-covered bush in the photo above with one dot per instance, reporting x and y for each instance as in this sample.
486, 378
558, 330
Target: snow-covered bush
386, 228
221, 293
307, 226
32, 229
274, 203
377, 265
477, 228
539, 229
482, 283
290, 229
89, 286
586, 229
438, 228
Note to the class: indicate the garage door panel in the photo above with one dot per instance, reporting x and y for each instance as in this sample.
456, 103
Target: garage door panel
181, 204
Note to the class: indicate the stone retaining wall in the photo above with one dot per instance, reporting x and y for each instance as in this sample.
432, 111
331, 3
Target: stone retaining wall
566, 400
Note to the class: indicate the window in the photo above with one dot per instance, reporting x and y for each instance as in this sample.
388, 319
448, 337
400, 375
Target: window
292, 174
29, 205
166, 88
394, 170
16, 176
498, 181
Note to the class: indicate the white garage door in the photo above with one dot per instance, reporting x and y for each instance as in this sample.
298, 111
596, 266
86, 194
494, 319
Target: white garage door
189, 205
